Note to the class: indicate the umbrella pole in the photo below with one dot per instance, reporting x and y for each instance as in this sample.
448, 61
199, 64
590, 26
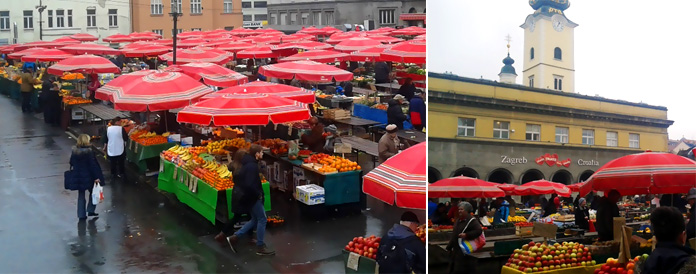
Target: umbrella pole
166, 125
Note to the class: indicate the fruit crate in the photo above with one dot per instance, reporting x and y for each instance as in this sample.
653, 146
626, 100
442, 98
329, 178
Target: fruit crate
336, 114
523, 230
570, 270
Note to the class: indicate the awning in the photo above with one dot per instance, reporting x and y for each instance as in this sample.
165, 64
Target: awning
412, 16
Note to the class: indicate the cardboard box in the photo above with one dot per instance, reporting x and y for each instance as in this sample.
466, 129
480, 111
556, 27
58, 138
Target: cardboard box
228, 134
310, 194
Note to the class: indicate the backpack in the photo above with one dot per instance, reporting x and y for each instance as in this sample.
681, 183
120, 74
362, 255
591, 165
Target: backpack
394, 258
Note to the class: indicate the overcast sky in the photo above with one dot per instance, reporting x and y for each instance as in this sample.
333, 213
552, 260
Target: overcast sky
631, 50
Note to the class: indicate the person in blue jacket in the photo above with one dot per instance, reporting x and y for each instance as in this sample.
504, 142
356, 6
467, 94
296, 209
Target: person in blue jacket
417, 111
88, 172
502, 213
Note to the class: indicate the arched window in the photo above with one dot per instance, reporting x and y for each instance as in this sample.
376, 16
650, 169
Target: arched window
412, 10
557, 54
531, 53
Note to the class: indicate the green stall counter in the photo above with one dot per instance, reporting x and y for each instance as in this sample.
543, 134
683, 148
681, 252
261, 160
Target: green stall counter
139, 154
364, 265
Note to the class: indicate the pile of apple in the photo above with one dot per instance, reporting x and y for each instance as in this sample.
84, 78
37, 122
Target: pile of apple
366, 247
612, 266
537, 257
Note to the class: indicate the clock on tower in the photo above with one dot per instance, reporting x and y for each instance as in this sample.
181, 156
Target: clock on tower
549, 45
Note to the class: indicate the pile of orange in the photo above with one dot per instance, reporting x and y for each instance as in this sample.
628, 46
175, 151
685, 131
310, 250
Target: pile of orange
150, 141
332, 163
213, 179
70, 100
223, 147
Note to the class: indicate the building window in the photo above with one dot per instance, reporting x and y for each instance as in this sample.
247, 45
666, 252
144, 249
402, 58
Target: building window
196, 29
260, 4
283, 18
386, 17
329, 18
316, 18
158, 31
274, 19
246, 5
176, 6
69, 18
562, 135
50, 18
533, 132
557, 54
177, 31
28, 19
531, 53
588, 137
156, 7
558, 82
227, 6
305, 19
246, 17
113, 18
196, 7
633, 140
501, 130
4, 20
60, 18
612, 139
531, 81
293, 18
260, 17
91, 18
466, 127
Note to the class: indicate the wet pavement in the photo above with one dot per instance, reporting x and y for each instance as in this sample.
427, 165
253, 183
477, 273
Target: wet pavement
139, 229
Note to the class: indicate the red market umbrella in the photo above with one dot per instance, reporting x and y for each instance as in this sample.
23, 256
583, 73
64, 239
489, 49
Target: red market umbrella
406, 52
190, 34
576, 187
164, 42
419, 37
89, 64
219, 42
144, 36
356, 44
369, 55
302, 36
306, 71
386, 39
269, 32
243, 32
19, 54
329, 30
642, 173
189, 43
508, 188
39, 44
117, 38
410, 31
276, 39
235, 46
311, 31
340, 37
154, 92
202, 55
260, 87
212, 74
7, 49
84, 37
105, 94
400, 179
464, 187
305, 45
321, 56
46, 55
146, 51
67, 41
90, 48
257, 53
138, 44
541, 187
244, 109
215, 36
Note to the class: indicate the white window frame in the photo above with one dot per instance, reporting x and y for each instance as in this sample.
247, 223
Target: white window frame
60, 18
196, 29
558, 82
533, 132
28, 19
588, 137
227, 6
91, 18
465, 128
70, 18
156, 7
501, 130
387, 17
612, 139
113, 18
293, 18
158, 31
5, 20
531, 81
196, 7
305, 18
634, 142
256, 17
50, 18
562, 136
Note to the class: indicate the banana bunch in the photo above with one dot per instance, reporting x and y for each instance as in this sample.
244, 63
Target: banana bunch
166, 134
211, 165
179, 149
223, 172
516, 219
186, 156
149, 134
189, 166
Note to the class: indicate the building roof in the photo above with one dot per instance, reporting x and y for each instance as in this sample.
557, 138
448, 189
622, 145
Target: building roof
508, 68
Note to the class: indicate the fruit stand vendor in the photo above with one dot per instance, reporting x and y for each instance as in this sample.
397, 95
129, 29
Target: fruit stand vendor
314, 140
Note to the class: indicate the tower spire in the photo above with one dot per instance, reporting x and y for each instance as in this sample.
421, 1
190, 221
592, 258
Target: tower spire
507, 73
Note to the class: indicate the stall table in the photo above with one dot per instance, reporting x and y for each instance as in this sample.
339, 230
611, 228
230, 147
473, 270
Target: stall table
335, 102
103, 112
360, 144
411, 136
139, 154
388, 86
357, 122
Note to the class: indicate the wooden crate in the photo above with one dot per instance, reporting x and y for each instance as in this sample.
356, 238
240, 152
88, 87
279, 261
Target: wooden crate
524, 230
336, 114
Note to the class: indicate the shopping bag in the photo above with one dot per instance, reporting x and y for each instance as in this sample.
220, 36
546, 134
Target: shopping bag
471, 246
97, 194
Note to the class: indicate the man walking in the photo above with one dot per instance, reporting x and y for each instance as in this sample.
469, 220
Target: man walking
401, 251
115, 145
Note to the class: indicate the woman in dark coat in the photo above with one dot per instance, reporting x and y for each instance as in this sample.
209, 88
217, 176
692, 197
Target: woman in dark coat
582, 215
461, 263
87, 172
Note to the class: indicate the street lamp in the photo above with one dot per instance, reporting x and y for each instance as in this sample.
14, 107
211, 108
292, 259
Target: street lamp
175, 14
40, 8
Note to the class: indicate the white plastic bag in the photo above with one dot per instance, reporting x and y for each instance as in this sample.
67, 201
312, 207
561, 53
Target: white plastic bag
97, 194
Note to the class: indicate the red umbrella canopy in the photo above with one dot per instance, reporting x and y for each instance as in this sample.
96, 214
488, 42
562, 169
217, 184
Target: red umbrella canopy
212, 74
164, 42
144, 36
19, 54
369, 55
39, 44
464, 187
386, 39
215, 36
154, 92
642, 173
145, 51
302, 36
356, 44
266, 39
203, 55
508, 188
243, 32
88, 64
321, 56
220, 42
85, 37
340, 37
117, 38
260, 87
190, 34
105, 94
189, 43
410, 31
46, 55
138, 44
406, 52
257, 53
541, 187
329, 30
7, 49
235, 46
244, 109
400, 179
305, 45
419, 37
576, 187
67, 41
90, 48
306, 71
311, 31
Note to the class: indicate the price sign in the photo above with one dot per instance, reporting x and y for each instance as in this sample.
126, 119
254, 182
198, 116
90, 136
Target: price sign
353, 260
343, 148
